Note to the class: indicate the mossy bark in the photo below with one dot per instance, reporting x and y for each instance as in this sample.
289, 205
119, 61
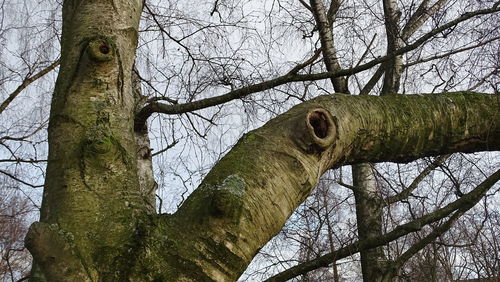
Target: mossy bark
97, 220
273, 169
92, 196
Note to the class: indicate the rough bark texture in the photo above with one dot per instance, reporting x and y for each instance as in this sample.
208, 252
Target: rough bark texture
369, 208
324, 24
92, 203
98, 221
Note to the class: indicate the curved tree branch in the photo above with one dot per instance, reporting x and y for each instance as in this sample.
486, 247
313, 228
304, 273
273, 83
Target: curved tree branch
271, 170
459, 206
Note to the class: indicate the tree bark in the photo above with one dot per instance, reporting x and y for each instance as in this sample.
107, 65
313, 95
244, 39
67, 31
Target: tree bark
369, 211
93, 205
272, 170
324, 24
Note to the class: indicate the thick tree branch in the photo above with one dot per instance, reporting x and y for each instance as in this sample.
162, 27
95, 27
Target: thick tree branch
420, 16
421, 10
416, 129
271, 170
332, 11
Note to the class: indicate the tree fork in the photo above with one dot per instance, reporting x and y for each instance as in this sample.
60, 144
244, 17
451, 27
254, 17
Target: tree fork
247, 197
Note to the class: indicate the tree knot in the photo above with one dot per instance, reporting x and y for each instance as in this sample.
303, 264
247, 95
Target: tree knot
320, 130
100, 49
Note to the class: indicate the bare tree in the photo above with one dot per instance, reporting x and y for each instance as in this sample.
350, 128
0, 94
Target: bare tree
194, 73
14, 221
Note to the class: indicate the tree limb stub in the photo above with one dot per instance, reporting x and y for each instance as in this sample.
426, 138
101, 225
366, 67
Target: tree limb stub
100, 49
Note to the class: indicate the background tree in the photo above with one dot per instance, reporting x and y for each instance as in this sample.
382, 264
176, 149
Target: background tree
15, 260
186, 55
29, 48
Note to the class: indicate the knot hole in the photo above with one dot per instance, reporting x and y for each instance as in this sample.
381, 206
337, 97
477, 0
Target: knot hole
320, 123
104, 48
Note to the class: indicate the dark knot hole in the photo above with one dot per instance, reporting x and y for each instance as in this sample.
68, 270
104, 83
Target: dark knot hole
319, 123
104, 49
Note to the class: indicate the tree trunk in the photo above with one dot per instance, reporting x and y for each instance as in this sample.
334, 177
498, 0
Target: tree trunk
93, 206
369, 207
369, 210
